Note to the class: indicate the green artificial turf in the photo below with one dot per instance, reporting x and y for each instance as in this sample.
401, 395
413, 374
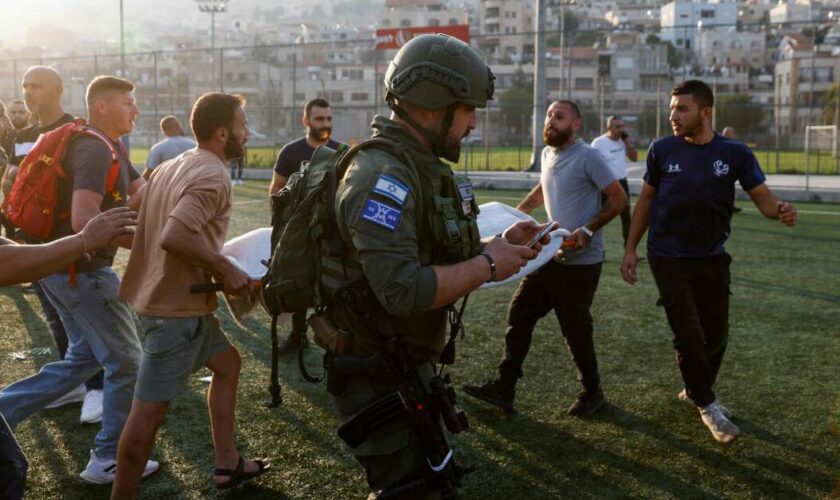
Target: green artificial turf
780, 378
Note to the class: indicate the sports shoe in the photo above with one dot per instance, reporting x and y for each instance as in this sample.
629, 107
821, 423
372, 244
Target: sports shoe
77, 395
683, 396
495, 392
103, 471
92, 407
293, 342
587, 403
723, 430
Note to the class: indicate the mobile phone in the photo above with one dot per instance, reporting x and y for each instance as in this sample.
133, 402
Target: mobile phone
542, 232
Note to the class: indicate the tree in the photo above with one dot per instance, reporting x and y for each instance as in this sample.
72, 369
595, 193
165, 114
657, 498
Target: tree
741, 112
831, 104
516, 102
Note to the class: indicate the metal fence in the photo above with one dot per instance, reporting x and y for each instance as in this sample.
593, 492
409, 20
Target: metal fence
625, 73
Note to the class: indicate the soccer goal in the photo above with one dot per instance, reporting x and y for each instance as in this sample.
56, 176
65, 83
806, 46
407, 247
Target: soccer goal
821, 150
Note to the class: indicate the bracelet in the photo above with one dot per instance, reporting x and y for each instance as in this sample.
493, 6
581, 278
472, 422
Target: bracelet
84, 242
588, 232
492, 266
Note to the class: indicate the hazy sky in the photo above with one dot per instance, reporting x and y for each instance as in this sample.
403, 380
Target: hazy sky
100, 18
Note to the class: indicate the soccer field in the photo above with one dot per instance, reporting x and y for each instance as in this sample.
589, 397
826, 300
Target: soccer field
518, 158
780, 378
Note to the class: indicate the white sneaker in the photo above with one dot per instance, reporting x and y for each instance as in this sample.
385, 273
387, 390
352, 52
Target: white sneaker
683, 396
74, 396
103, 471
723, 430
92, 407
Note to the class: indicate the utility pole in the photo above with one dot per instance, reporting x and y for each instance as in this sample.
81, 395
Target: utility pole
212, 7
658, 106
122, 42
539, 86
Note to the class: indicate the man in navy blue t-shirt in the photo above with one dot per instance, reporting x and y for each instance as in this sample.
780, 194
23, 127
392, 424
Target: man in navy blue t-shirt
687, 201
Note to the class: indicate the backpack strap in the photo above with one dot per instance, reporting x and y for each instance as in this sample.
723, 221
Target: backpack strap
114, 171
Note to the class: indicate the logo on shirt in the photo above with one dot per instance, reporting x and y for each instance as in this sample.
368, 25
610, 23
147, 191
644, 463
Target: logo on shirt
674, 168
721, 169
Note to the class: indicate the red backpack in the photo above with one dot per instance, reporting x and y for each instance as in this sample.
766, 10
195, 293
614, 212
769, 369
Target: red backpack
32, 201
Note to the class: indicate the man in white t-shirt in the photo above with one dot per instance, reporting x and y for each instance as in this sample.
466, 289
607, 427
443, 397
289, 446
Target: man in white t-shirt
615, 146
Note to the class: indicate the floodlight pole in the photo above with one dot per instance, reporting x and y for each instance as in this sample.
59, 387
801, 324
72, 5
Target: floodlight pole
540, 94
122, 42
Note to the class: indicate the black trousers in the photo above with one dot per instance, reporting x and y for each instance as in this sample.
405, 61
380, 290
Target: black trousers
568, 290
695, 294
625, 214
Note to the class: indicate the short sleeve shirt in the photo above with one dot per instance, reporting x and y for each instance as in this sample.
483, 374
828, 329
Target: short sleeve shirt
572, 180
695, 192
167, 149
295, 153
88, 163
614, 152
194, 190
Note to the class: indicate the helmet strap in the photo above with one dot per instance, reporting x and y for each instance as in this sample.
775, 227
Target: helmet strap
437, 142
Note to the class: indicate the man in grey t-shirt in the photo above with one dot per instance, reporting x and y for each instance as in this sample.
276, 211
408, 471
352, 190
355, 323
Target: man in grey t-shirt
171, 147
574, 177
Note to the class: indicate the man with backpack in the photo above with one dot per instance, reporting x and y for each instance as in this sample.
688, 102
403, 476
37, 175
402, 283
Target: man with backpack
182, 226
405, 248
100, 326
42, 90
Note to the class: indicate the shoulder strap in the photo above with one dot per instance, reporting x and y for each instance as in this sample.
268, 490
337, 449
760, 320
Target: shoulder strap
114, 171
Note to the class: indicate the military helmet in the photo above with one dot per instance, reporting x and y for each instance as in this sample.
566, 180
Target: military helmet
435, 71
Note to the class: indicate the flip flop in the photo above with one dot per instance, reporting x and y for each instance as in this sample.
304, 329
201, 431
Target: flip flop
238, 475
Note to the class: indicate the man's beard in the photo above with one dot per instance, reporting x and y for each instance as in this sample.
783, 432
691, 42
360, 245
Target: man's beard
233, 148
692, 129
555, 138
321, 134
19, 124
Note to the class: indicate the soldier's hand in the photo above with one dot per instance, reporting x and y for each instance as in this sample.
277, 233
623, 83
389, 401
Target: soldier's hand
101, 230
628, 267
522, 232
509, 258
787, 213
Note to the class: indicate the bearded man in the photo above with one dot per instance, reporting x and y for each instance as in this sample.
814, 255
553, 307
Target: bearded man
574, 177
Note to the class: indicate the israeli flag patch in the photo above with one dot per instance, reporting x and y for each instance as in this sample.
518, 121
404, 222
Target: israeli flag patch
391, 188
381, 214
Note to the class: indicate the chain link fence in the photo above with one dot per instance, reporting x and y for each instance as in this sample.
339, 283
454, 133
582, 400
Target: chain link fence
767, 99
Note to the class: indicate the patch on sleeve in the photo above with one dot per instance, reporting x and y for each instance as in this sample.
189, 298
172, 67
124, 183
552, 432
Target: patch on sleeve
466, 191
391, 188
381, 214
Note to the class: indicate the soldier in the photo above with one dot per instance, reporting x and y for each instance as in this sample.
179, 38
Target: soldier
412, 250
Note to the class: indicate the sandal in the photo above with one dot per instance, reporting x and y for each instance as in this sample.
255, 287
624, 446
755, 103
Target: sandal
238, 475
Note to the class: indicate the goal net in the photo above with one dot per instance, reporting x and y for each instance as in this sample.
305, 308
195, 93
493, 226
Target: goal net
821, 149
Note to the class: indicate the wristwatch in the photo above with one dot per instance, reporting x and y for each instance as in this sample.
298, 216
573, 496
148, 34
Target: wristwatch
586, 231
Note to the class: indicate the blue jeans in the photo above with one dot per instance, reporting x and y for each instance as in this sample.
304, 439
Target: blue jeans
13, 464
59, 334
102, 333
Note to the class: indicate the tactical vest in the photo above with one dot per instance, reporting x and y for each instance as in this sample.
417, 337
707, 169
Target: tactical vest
446, 212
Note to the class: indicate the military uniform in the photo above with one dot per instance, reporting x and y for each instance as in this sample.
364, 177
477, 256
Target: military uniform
399, 210
398, 220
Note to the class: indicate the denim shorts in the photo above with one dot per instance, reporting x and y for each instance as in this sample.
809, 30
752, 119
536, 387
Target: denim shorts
173, 348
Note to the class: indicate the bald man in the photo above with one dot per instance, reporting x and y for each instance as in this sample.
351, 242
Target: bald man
729, 133
42, 90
